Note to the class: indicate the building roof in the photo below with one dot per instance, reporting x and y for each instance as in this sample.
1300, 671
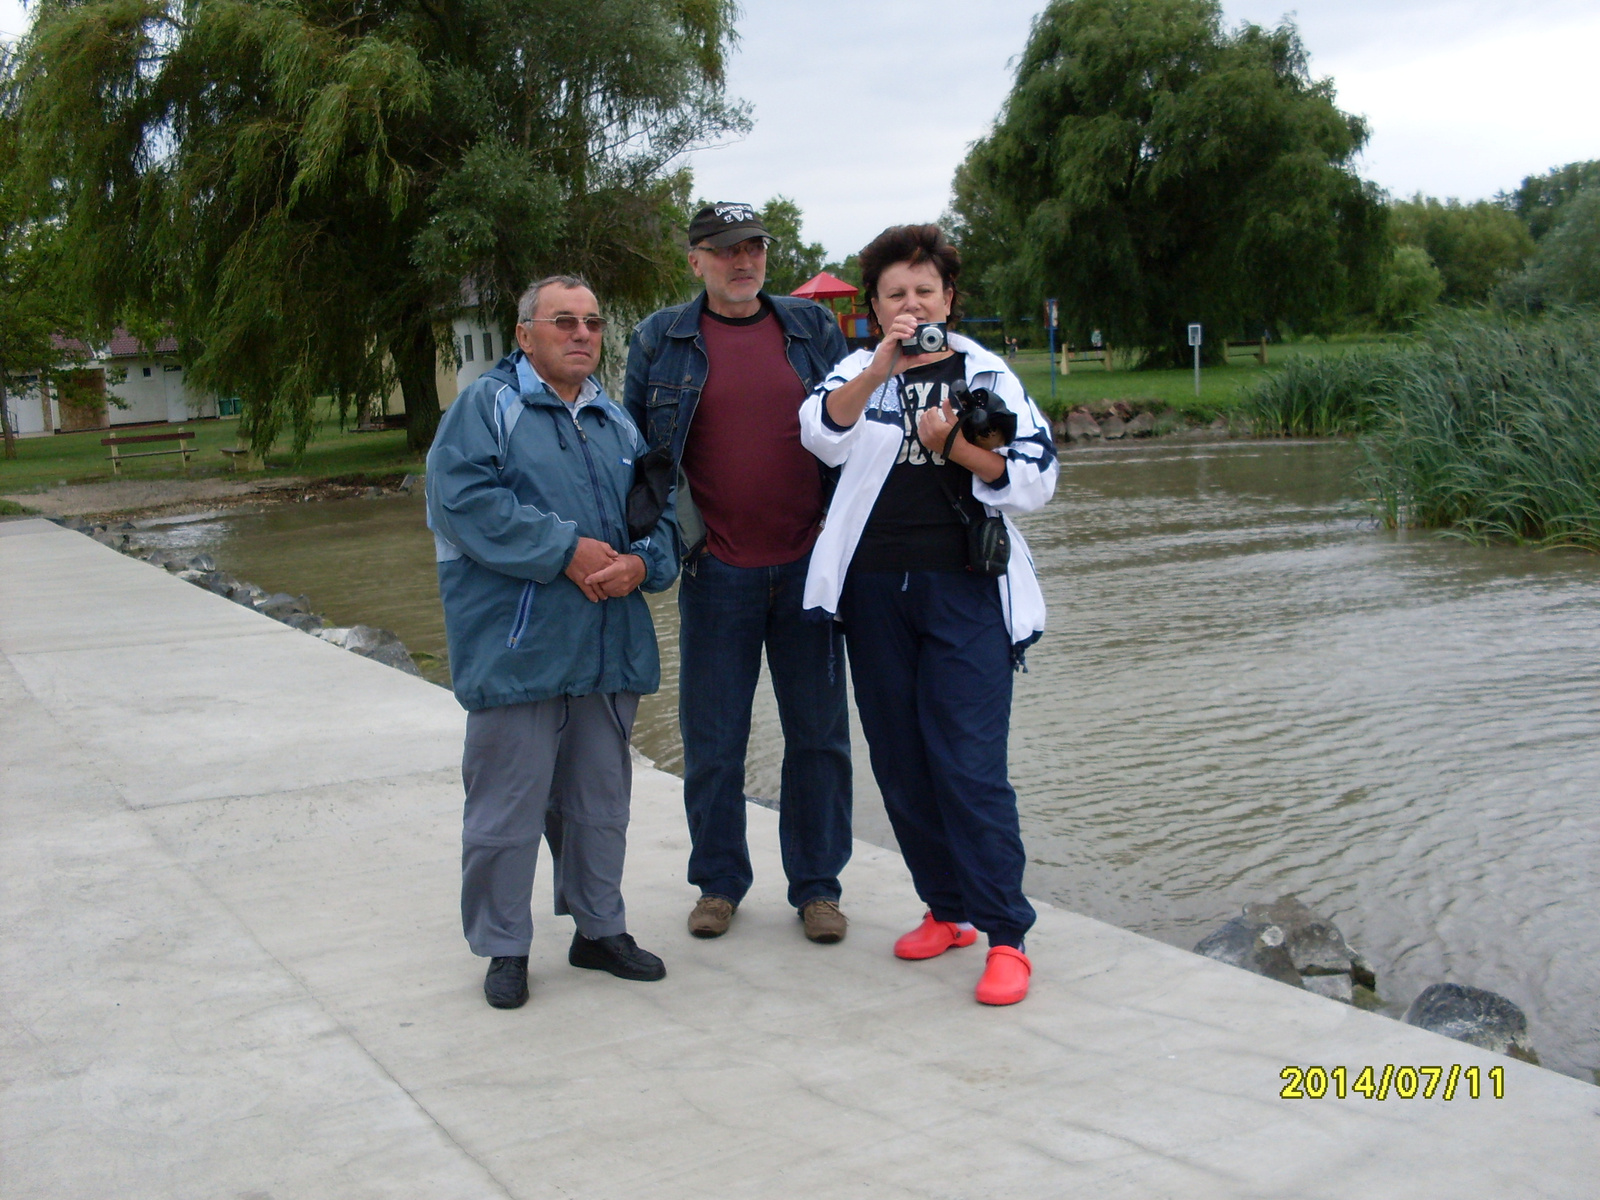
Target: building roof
122, 345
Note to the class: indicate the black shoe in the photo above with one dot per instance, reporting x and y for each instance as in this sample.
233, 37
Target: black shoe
619, 954
506, 984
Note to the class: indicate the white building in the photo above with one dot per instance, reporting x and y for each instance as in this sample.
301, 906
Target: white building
477, 344
478, 348
149, 380
30, 414
151, 385
144, 384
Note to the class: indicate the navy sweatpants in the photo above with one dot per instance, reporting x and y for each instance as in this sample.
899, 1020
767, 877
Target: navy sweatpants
930, 659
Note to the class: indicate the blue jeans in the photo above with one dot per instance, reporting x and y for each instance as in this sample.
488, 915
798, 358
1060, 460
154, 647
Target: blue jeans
729, 614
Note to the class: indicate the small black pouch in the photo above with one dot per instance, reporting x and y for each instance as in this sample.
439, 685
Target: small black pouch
988, 539
647, 498
988, 547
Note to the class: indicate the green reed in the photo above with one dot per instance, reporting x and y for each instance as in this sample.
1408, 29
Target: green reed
1324, 396
1489, 425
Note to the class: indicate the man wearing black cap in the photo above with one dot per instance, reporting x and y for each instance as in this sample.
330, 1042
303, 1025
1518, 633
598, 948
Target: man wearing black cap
721, 380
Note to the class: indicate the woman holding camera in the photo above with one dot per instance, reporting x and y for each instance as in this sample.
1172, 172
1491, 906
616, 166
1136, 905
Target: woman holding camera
938, 441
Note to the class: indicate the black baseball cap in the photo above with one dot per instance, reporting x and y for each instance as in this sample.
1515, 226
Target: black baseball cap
726, 224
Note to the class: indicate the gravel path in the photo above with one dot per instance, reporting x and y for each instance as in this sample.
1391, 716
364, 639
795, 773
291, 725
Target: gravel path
140, 495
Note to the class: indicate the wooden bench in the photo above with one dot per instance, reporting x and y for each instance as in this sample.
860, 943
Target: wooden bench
238, 457
1256, 350
1070, 355
182, 437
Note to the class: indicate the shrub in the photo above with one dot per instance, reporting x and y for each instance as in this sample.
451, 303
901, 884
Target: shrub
1409, 287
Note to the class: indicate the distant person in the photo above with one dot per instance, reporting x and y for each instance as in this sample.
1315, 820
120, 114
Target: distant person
720, 381
1011, 348
936, 611
551, 643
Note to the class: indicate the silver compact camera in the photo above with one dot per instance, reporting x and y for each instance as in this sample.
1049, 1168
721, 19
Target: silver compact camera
926, 339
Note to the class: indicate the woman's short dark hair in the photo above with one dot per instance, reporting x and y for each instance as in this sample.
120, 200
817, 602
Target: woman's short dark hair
910, 244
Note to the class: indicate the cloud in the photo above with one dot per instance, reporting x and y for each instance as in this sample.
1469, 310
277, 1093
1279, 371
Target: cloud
1475, 116
13, 21
863, 112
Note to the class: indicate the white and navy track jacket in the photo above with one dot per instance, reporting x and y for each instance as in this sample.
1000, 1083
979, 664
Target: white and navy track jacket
867, 451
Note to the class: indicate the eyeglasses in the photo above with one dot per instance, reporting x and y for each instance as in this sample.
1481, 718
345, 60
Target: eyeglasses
755, 247
569, 324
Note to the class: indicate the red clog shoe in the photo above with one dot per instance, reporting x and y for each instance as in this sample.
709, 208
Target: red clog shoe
932, 938
1005, 976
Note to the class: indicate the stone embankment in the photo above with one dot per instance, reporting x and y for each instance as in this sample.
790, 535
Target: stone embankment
1290, 943
1115, 420
295, 611
1107, 420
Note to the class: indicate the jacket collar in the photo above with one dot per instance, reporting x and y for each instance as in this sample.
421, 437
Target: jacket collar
688, 323
534, 389
979, 357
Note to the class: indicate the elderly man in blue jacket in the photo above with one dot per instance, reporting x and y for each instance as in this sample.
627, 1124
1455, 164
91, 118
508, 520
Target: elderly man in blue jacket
551, 643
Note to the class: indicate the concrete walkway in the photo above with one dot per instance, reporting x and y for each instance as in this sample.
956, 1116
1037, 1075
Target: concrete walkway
232, 967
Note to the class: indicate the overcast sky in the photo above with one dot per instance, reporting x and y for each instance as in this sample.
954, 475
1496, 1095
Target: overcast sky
863, 108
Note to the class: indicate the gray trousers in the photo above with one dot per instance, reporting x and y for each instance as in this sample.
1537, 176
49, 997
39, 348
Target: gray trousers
559, 768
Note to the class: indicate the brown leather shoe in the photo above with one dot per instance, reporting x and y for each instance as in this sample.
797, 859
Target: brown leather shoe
824, 922
711, 916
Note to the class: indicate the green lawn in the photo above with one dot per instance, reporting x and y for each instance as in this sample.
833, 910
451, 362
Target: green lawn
43, 462
1221, 388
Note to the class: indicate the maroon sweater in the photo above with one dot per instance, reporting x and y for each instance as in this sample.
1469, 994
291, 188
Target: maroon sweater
756, 486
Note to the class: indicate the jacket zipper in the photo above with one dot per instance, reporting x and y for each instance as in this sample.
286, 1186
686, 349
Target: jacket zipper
600, 507
524, 611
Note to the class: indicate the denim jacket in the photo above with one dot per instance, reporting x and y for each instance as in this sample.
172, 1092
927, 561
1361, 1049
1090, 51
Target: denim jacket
667, 368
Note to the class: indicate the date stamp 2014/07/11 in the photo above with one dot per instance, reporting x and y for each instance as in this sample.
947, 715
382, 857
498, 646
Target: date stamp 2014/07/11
1399, 1083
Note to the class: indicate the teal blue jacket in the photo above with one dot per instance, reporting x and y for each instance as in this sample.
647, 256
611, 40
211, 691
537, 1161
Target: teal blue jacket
514, 479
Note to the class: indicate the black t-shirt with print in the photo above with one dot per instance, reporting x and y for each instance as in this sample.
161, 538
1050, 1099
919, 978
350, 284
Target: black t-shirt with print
913, 526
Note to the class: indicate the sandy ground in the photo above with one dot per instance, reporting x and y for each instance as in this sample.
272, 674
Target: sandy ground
126, 496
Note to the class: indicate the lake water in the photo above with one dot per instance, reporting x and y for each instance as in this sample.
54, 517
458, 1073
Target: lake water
1246, 689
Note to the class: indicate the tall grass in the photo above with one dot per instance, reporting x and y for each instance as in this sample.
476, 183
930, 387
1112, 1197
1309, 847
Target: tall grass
1324, 396
1489, 425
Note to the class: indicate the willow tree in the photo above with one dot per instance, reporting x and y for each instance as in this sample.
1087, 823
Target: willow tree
1151, 168
34, 306
307, 189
